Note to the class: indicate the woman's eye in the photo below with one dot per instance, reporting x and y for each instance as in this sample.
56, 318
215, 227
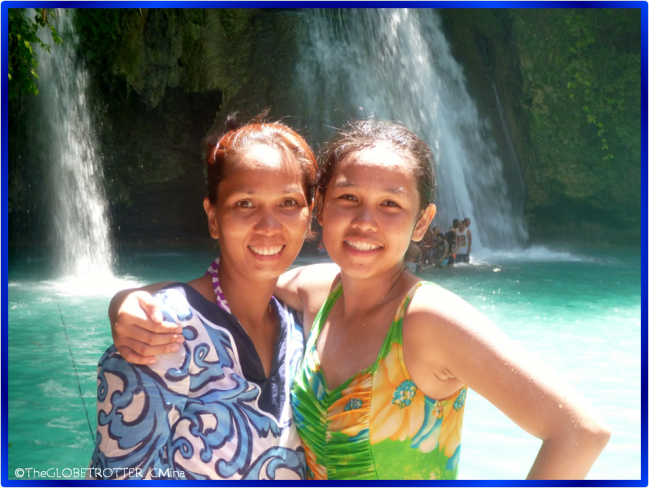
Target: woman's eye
351, 198
243, 204
289, 202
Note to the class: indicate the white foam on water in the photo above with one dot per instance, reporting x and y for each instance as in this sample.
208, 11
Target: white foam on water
487, 256
84, 286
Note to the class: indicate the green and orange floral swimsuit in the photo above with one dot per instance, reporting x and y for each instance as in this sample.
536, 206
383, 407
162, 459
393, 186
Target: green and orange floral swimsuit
378, 424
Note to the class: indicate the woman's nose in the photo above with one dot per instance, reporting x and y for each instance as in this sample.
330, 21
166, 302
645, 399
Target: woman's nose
268, 224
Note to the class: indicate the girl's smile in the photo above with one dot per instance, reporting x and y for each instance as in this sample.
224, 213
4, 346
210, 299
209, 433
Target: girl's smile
362, 247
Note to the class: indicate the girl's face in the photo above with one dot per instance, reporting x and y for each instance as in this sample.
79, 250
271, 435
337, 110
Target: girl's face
261, 217
371, 213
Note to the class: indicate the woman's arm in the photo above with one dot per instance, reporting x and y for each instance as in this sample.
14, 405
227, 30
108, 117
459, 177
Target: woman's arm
448, 343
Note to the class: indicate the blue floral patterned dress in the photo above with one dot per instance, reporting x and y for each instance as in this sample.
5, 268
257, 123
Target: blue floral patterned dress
207, 411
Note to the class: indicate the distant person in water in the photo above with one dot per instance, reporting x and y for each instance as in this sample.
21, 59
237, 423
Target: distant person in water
454, 226
414, 257
467, 223
451, 242
428, 246
440, 256
450, 239
463, 245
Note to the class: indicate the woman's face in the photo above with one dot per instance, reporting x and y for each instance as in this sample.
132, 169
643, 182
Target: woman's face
261, 217
371, 212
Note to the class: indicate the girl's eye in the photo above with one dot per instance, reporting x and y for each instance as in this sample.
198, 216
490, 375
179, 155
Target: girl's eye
390, 203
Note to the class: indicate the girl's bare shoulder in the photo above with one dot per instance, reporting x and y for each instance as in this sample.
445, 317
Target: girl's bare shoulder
316, 278
440, 311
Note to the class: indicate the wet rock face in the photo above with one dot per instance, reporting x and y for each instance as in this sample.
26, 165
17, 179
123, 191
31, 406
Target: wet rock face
176, 74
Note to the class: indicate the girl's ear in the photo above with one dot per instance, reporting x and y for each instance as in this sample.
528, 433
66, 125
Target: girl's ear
424, 221
211, 218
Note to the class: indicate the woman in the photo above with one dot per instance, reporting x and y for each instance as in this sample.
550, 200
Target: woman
441, 250
218, 406
389, 358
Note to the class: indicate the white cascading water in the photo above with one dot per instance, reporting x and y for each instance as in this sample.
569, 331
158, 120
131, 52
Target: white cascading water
79, 214
397, 64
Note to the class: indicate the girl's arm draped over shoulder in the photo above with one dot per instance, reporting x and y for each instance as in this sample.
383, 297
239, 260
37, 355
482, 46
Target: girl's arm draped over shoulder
446, 336
306, 288
139, 333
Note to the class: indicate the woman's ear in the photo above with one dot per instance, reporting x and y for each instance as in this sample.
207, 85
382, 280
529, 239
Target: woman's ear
424, 221
211, 218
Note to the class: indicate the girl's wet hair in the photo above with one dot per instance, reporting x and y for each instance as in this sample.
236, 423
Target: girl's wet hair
358, 135
223, 150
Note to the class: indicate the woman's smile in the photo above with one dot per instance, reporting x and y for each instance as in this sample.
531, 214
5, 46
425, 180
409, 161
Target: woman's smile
261, 217
267, 253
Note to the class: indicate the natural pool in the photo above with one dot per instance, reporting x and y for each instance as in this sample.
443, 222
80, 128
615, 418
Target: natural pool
579, 311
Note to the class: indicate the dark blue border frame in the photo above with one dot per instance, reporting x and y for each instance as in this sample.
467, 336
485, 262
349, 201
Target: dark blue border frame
4, 460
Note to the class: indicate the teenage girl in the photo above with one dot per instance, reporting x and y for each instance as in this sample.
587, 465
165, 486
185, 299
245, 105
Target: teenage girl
389, 358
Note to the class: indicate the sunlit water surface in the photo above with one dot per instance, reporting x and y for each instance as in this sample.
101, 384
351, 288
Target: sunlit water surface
577, 311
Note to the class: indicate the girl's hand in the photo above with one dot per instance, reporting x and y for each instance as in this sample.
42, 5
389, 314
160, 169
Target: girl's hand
139, 333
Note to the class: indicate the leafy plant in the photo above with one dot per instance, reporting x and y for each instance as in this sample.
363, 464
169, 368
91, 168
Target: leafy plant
23, 36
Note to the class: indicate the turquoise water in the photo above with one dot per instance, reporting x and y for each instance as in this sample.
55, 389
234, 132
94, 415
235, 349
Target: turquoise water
579, 312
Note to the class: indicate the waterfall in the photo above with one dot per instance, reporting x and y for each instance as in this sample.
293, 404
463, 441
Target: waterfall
511, 151
397, 64
79, 226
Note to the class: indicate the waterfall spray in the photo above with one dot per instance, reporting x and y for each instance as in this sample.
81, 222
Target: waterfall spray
397, 64
79, 216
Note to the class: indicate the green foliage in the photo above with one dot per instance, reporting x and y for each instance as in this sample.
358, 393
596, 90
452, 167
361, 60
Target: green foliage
233, 20
99, 33
581, 76
589, 59
602, 71
23, 36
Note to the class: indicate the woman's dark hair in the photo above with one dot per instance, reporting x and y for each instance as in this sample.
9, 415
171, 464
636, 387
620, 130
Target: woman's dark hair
450, 238
358, 135
222, 150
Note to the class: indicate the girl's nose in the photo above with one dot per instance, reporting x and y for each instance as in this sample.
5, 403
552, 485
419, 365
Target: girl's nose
364, 219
